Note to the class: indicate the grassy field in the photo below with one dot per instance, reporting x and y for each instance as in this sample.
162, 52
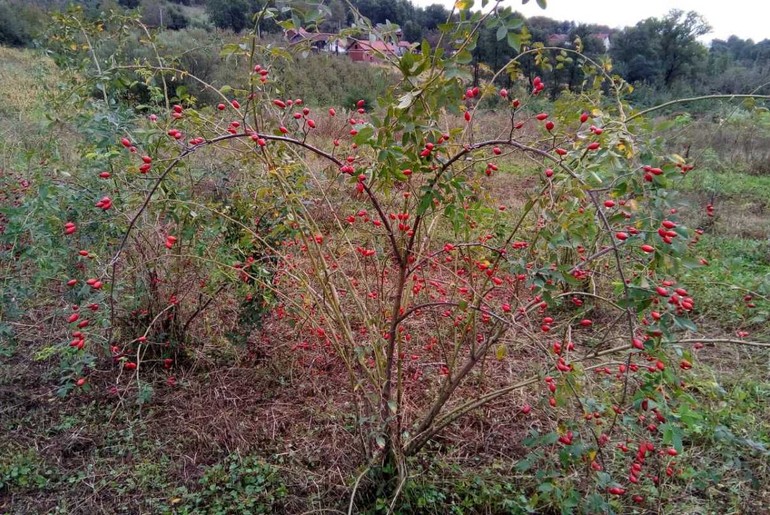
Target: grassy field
246, 429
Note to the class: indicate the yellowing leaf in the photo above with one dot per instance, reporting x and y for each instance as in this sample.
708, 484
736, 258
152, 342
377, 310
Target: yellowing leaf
463, 5
627, 150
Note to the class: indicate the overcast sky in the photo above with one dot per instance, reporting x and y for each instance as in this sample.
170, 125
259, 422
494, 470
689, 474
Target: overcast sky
744, 18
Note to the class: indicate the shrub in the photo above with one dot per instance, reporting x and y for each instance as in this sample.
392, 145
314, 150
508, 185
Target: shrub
594, 244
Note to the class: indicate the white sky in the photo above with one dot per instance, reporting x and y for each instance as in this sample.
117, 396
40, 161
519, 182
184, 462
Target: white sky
744, 18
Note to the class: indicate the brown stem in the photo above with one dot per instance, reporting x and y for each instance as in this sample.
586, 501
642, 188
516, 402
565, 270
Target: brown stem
626, 295
392, 440
421, 438
201, 308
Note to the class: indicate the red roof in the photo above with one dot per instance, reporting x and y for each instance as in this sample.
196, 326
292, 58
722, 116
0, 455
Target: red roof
378, 46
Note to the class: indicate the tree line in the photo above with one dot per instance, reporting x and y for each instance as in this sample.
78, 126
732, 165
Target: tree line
661, 56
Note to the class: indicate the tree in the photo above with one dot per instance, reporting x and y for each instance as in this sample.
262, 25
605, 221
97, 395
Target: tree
547, 26
737, 65
337, 18
433, 16
412, 31
592, 45
680, 50
229, 14
661, 52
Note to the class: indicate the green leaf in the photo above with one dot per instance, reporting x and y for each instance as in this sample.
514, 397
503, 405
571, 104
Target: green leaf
672, 435
603, 479
425, 203
406, 62
524, 465
455, 72
514, 40
685, 323
229, 49
595, 503
287, 24
542, 4
501, 32
464, 57
364, 135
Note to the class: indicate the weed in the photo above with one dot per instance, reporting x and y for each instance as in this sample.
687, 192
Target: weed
21, 470
238, 484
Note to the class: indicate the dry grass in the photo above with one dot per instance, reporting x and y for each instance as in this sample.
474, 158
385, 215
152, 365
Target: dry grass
737, 141
24, 78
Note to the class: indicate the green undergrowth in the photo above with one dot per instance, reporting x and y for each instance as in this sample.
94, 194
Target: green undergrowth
737, 268
87, 457
728, 184
725, 445
727, 440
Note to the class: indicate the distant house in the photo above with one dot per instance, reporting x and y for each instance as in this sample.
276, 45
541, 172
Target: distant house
370, 51
359, 50
557, 39
604, 38
318, 41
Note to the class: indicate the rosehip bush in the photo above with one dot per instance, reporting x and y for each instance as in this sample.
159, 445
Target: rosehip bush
397, 243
